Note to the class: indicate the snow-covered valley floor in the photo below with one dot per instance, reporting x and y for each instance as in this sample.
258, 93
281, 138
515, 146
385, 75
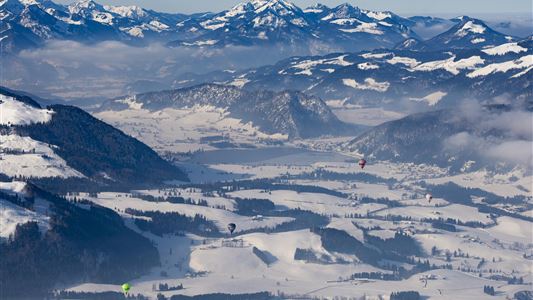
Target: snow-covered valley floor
486, 249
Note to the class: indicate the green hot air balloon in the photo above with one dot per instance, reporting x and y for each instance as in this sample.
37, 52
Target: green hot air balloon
126, 287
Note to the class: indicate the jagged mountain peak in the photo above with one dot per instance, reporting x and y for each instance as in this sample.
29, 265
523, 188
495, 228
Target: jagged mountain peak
318, 6
279, 7
469, 25
275, 9
85, 4
274, 4
317, 9
345, 11
463, 18
346, 6
466, 25
131, 11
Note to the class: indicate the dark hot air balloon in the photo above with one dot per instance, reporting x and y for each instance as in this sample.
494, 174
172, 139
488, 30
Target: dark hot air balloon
231, 227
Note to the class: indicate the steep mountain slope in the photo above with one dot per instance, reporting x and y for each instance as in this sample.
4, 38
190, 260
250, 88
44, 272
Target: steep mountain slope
416, 138
468, 33
48, 241
64, 141
289, 113
469, 137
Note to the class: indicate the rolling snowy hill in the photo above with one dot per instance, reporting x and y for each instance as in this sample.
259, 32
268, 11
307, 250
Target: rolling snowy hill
352, 241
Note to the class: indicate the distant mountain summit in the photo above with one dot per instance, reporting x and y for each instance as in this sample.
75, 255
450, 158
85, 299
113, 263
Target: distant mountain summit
466, 34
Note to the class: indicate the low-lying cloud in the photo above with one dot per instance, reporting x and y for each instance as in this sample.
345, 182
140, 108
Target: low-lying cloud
500, 137
69, 69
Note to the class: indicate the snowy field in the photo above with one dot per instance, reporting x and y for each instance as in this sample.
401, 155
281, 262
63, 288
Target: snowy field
182, 130
23, 156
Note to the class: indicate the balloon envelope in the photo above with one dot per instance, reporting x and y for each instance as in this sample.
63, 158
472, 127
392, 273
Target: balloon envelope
231, 227
362, 163
126, 287
429, 197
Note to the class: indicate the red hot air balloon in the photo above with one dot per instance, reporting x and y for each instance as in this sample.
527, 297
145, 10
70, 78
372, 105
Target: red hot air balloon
362, 163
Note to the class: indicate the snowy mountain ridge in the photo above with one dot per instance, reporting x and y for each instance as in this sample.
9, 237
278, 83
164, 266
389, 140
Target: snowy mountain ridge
287, 112
29, 24
467, 33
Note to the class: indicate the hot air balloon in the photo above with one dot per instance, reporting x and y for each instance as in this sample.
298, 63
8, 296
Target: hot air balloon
362, 163
429, 197
126, 288
231, 227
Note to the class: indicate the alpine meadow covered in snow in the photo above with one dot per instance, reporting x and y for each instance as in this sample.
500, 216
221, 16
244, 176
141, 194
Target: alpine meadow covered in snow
267, 151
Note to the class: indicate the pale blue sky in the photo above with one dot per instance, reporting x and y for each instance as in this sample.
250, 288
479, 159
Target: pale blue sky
405, 7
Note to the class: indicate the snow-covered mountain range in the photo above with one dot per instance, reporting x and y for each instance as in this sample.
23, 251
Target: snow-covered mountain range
30, 23
396, 77
321, 29
263, 22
